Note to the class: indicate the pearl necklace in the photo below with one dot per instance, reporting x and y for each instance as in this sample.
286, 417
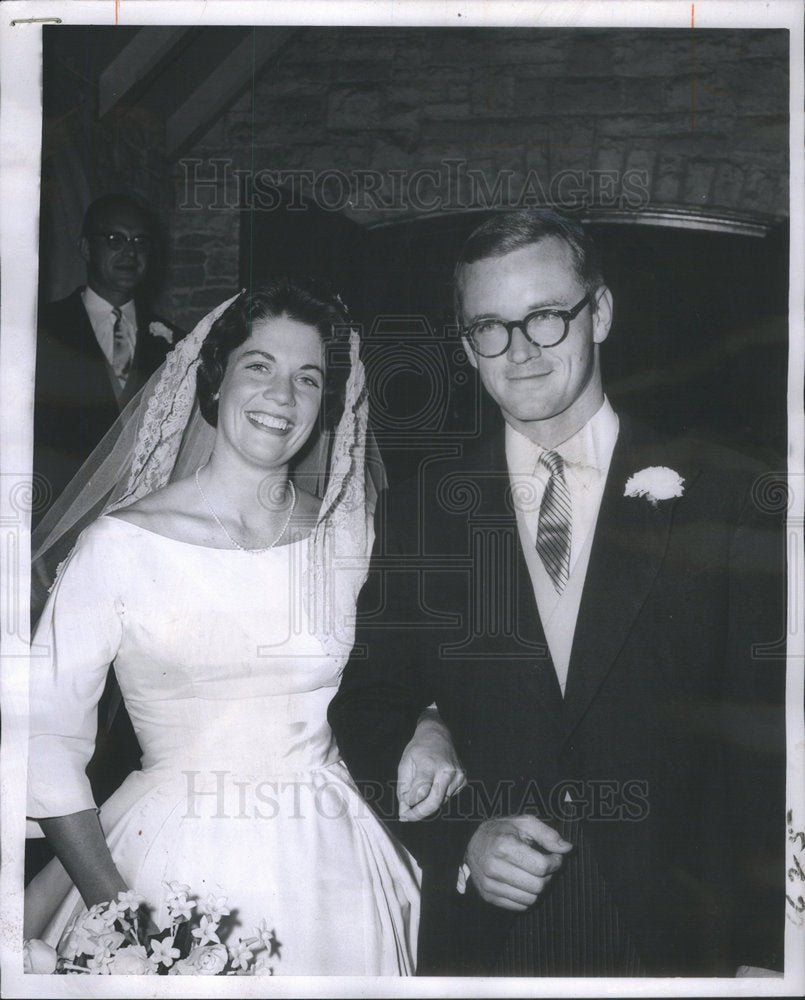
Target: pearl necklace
222, 526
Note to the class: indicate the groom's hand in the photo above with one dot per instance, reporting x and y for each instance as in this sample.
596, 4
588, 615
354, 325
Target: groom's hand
429, 771
512, 859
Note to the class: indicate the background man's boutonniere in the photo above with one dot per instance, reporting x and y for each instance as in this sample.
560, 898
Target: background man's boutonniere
655, 483
157, 329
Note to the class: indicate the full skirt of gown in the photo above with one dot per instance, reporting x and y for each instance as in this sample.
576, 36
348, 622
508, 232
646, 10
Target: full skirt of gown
242, 793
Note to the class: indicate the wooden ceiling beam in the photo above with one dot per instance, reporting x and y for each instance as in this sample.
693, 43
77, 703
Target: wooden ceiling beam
133, 63
223, 84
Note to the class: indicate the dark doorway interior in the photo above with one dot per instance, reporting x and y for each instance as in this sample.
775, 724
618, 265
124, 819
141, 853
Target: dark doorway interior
698, 345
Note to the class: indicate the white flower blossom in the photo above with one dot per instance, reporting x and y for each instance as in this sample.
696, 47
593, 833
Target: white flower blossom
100, 964
130, 900
214, 906
262, 967
240, 954
163, 952
179, 908
206, 932
175, 889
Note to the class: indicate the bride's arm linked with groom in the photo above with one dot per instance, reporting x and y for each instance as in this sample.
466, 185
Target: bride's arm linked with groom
225, 599
563, 706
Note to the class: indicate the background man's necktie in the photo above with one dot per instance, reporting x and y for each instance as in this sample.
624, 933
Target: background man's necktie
553, 529
121, 349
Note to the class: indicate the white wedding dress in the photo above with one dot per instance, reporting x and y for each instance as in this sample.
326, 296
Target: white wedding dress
242, 792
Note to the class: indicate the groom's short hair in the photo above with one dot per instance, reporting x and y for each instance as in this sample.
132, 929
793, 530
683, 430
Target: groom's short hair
509, 231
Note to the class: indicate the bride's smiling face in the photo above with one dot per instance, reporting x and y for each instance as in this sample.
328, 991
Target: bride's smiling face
272, 391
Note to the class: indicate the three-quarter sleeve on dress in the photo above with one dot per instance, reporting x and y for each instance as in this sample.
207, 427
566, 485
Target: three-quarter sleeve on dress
77, 637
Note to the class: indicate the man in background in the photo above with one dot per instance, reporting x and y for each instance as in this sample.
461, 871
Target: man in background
97, 347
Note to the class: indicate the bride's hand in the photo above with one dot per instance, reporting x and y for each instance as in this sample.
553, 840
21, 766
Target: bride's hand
429, 771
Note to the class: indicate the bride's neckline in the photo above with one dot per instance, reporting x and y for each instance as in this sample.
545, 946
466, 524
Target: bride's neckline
197, 545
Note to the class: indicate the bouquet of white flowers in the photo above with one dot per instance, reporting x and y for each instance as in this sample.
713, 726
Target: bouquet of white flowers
114, 939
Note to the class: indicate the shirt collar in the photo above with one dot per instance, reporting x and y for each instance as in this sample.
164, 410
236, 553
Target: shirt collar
591, 446
98, 308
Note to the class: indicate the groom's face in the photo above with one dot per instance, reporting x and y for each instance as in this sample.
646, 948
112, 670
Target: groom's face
547, 393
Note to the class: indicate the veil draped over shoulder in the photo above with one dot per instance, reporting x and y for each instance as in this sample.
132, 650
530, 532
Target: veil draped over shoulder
161, 436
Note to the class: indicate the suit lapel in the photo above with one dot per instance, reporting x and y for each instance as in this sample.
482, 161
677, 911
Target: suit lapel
81, 337
143, 343
629, 545
540, 680
77, 332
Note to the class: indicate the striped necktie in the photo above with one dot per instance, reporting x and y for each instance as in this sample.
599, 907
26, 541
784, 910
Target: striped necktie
121, 349
553, 529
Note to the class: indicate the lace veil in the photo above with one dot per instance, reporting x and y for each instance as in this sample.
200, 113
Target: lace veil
161, 436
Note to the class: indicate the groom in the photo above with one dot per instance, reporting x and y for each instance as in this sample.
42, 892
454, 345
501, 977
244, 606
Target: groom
594, 612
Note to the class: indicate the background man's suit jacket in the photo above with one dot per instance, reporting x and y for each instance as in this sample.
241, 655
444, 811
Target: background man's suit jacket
75, 403
669, 738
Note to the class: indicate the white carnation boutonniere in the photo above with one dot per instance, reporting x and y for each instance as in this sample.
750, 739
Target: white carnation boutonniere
655, 483
157, 329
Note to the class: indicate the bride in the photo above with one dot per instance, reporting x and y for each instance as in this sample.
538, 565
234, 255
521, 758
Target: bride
225, 600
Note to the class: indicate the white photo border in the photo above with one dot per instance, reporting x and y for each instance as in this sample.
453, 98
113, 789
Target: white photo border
20, 134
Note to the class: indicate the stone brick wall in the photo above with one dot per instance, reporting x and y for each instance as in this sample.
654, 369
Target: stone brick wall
85, 156
385, 124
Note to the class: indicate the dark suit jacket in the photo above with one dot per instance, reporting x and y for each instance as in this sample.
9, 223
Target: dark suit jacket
75, 403
669, 738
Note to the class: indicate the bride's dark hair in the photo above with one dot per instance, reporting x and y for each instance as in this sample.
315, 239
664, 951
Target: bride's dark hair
306, 300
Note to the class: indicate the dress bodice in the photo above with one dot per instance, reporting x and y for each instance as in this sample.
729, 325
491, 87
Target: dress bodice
215, 652
236, 656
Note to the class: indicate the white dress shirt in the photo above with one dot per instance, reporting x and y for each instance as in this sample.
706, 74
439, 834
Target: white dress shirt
102, 318
586, 455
